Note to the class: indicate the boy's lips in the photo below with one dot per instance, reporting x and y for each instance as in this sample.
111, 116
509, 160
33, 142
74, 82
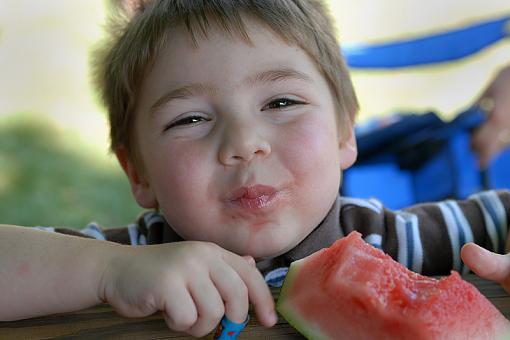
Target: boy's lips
254, 197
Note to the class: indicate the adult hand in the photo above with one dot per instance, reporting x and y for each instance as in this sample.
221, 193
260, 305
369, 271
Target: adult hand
494, 135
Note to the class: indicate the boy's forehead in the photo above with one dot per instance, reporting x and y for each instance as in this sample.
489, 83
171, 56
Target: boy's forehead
264, 50
251, 29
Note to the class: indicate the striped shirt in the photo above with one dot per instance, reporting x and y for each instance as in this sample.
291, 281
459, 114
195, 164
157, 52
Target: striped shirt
426, 238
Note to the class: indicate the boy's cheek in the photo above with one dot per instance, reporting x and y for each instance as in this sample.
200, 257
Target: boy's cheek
310, 147
178, 174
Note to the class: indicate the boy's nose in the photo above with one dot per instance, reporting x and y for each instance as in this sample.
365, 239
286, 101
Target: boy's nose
242, 143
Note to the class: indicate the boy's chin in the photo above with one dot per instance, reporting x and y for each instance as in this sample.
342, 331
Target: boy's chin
270, 250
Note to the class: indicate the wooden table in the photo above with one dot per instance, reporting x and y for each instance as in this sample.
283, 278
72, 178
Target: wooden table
102, 322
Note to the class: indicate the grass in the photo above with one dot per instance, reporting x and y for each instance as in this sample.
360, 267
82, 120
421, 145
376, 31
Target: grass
49, 177
54, 167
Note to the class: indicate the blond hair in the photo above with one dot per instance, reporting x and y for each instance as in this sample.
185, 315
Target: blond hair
137, 36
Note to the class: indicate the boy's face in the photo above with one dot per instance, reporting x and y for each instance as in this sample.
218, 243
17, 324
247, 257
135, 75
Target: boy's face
239, 142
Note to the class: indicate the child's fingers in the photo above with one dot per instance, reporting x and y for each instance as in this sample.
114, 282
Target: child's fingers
486, 264
179, 310
209, 306
258, 291
250, 260
233, 290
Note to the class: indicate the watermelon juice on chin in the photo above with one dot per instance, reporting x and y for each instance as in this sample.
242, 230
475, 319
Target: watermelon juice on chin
352, 290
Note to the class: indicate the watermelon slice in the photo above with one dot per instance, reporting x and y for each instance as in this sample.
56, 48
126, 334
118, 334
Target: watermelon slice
355, 291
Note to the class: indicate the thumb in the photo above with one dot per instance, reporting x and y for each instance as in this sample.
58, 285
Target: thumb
486, 264
250, 260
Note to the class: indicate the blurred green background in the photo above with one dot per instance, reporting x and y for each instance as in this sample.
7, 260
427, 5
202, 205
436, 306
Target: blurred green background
55, 169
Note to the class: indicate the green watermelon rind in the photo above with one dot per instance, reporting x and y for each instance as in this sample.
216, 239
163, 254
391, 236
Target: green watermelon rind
286, 310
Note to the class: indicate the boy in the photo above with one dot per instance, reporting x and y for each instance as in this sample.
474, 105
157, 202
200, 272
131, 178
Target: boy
232, 120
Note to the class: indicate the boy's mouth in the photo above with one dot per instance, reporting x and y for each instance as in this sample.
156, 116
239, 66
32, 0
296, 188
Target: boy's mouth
254, 197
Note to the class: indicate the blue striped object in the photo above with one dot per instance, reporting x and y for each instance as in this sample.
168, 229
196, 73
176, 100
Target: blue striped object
497, 223
494, 218
410, 248
375, 240
436, 48
459, 232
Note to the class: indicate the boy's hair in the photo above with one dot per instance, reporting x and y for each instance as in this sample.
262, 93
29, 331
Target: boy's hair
141, 28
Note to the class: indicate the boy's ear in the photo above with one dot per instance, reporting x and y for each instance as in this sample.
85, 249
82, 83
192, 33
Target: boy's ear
139, 186
347, 148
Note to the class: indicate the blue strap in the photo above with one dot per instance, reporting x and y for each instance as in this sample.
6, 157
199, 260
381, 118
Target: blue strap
229, 330
442, 47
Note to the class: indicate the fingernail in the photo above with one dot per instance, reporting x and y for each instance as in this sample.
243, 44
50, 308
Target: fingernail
250, 260
274, 318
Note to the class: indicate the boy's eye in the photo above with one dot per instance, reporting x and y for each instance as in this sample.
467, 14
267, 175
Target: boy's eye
186, 121
282, 103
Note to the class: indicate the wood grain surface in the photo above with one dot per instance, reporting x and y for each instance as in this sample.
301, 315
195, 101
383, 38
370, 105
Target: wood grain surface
101, 322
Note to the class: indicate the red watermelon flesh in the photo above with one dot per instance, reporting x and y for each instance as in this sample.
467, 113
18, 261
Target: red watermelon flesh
355, 291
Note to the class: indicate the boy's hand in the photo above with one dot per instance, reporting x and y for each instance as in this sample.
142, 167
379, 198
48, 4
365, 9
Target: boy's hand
193, 283
486, 264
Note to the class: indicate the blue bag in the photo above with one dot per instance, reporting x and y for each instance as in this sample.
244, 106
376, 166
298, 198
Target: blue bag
420, 158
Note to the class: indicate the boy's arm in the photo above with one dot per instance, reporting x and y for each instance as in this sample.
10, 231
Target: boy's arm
149, 228
487, 264
193, 283
427, 238
444, 227
45, 273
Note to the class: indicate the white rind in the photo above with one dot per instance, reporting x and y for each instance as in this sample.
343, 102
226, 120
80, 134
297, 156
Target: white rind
286, 309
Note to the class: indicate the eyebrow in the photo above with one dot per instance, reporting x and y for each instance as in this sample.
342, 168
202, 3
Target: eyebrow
264, 77
276, 75
183, 92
